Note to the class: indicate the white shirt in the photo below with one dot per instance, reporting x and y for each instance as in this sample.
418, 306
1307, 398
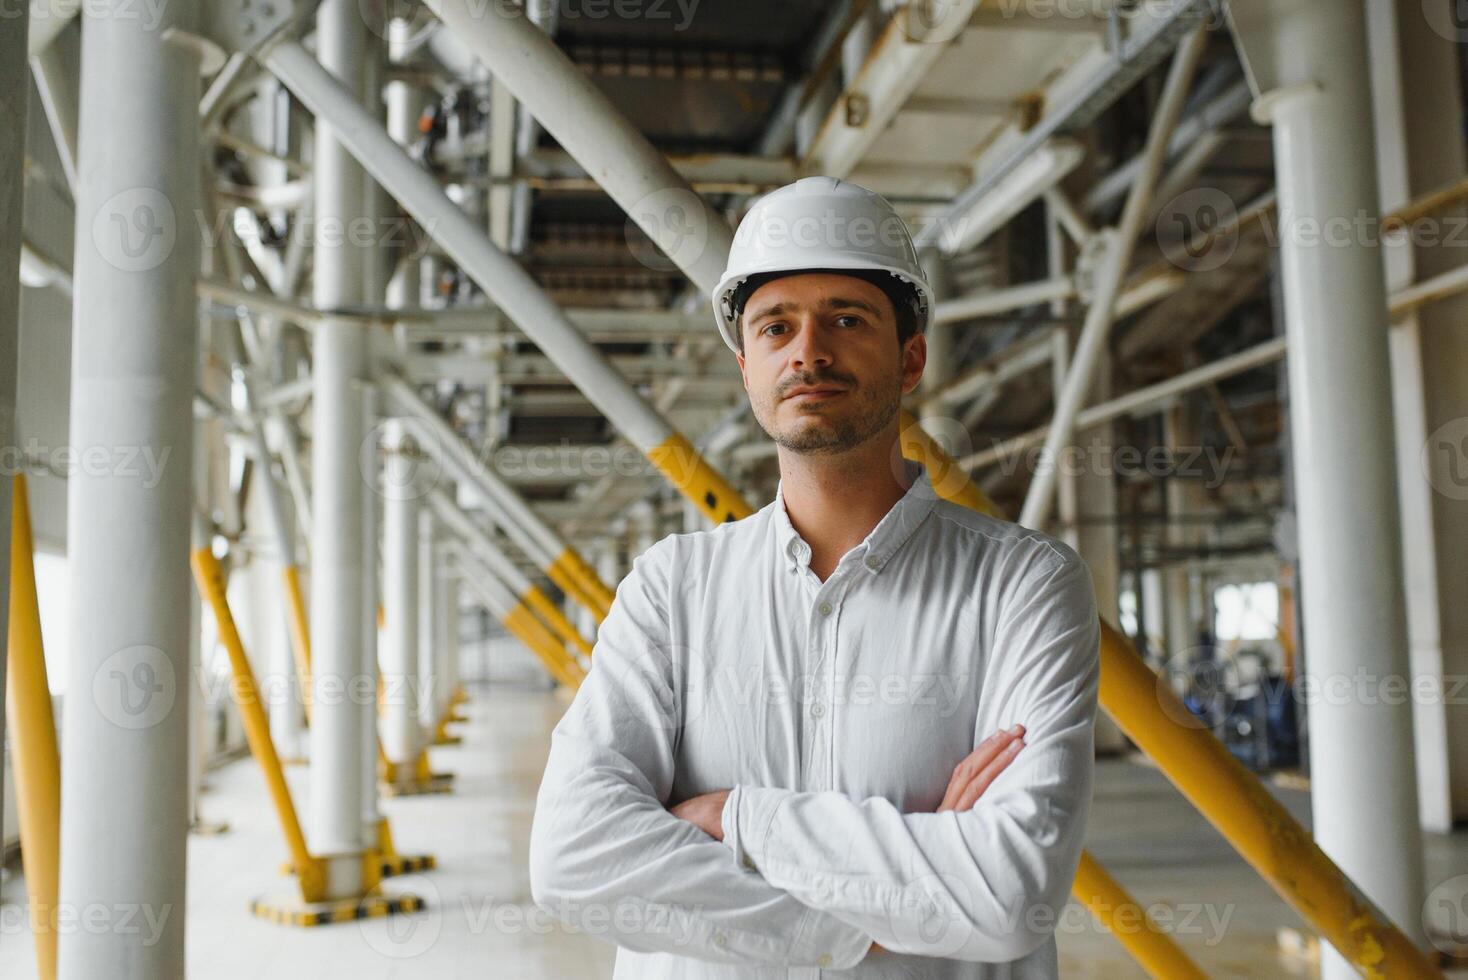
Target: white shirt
836, 711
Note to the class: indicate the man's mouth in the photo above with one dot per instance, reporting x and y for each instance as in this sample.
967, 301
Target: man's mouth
814, 393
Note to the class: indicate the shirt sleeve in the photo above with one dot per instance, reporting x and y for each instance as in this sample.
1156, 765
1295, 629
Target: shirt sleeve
605, 853
985, 884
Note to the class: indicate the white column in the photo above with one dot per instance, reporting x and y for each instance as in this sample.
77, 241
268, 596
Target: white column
124, 819
1420, 149
447, 647
401, 733
1363, 773
429, 667
338, 634
14, 95
1185, 503
370, 596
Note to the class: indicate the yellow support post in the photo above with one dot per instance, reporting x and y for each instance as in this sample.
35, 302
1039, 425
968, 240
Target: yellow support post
541, 604
524, 624
573, 576
33, 734
1230, 797
679, 460
210, 581
300, 633
1153, 949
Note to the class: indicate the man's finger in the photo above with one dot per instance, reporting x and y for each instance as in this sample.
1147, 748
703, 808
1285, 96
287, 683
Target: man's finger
975, 761
980, 783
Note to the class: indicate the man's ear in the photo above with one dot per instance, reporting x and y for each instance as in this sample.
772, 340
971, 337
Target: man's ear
914, 359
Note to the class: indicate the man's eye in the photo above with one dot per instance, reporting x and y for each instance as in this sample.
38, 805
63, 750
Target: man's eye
767, 328
849, 320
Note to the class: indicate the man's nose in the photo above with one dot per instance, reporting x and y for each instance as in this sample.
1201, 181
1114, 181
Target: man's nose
812, 347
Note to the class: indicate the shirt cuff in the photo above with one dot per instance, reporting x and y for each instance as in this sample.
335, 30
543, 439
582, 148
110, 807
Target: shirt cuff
828, 942
820, 939
746, 818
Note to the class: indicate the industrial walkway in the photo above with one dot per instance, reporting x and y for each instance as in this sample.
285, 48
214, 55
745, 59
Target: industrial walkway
482, 924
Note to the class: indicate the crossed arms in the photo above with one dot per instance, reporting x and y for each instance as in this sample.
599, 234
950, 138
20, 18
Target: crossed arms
815, 878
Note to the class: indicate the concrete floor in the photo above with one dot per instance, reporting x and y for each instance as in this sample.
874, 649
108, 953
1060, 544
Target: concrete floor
480, 922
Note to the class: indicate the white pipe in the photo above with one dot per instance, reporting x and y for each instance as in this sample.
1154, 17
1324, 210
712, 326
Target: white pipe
574, 109
479, 540
48, 19
124, 820
338, 634
14, 95
1135, 401
429, 665
508, 510
507, 283
366, 699
996, 301
1040, 497
1362, 765
446, 647
402, 488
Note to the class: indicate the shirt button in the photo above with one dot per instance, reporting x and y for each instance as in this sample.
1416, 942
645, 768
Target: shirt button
824, 608
719, 940
825, 959
818, 709
873, 561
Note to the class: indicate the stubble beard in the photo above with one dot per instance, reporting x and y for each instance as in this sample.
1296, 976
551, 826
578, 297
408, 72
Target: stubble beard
876, 405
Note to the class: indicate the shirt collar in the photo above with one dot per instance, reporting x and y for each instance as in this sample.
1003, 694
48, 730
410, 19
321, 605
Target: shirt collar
891, 532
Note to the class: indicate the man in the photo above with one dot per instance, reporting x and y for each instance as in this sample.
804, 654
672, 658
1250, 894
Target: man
852, 733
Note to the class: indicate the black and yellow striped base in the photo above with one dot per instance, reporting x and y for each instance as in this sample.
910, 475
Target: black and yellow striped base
438, 782
406, 864
287, 912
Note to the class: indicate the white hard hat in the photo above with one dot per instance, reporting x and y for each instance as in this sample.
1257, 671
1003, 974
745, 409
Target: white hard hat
819, 223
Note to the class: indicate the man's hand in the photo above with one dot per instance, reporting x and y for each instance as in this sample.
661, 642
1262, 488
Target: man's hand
969, 780
974, 774
705, 812
981, 767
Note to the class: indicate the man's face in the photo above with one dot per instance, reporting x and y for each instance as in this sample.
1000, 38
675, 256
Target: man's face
821, 361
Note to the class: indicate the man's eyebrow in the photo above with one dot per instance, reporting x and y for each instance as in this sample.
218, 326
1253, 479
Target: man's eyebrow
830, 303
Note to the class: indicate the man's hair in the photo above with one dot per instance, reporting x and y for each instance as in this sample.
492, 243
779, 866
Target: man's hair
903, 296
